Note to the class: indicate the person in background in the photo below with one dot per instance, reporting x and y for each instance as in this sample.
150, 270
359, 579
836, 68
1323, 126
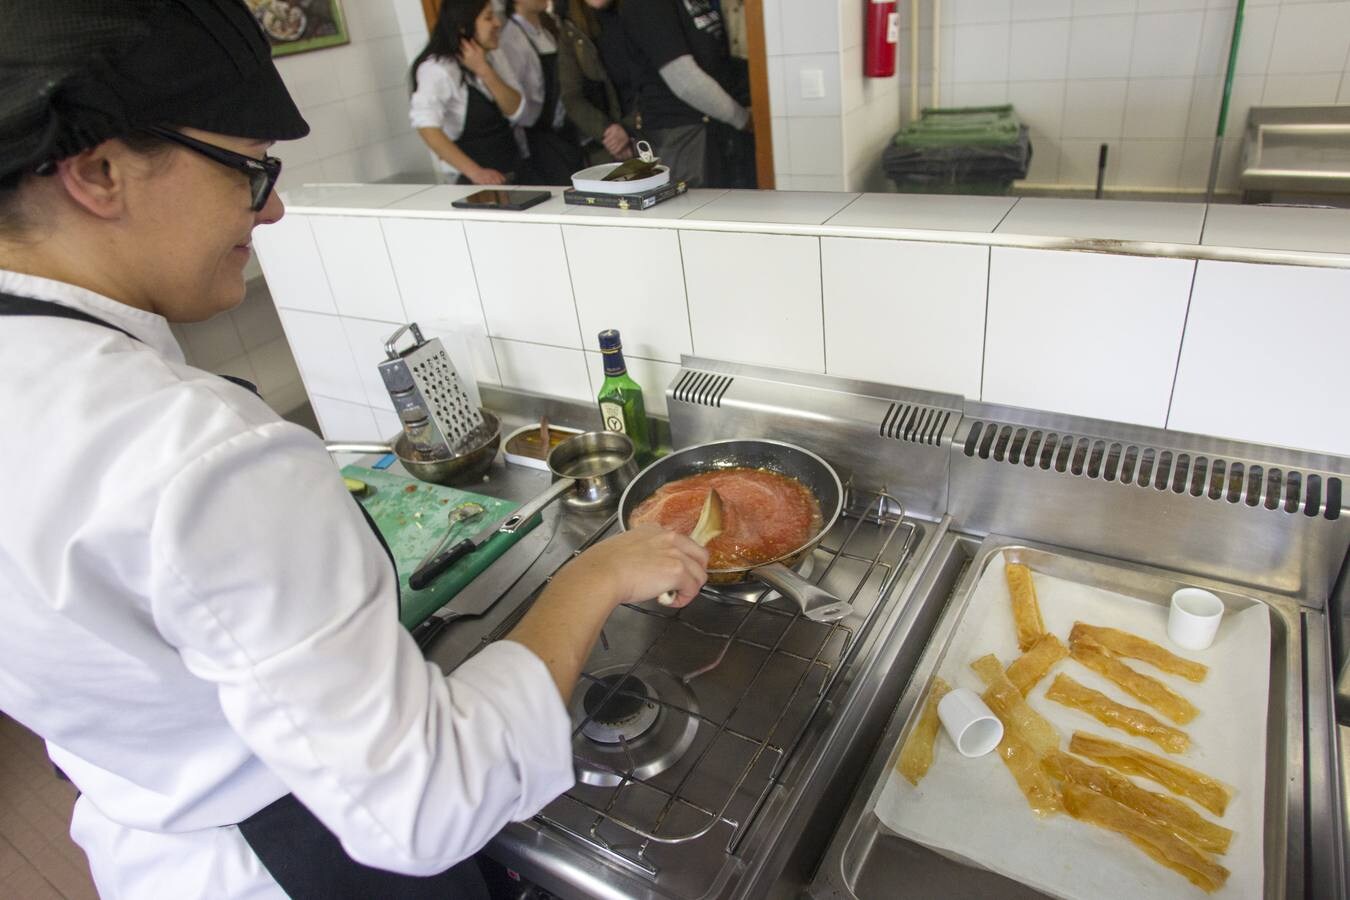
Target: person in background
464, 109
588, 92
199, 620
529, 45
693, 96
733, 16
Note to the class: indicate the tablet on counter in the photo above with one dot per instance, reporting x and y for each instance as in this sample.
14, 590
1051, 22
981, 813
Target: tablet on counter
498, 199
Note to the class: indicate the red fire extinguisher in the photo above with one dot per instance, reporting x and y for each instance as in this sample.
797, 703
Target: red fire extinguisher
883, 30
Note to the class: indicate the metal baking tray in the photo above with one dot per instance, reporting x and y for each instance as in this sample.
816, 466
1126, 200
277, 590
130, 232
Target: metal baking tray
865, 859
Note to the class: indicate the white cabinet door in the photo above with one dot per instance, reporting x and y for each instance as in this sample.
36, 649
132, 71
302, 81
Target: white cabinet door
1087, 334
357, 263
1265, 356
908, 313
291, 265
755, 298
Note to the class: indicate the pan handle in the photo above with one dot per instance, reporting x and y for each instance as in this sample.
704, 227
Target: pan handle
357, 447
817, 604
538, 504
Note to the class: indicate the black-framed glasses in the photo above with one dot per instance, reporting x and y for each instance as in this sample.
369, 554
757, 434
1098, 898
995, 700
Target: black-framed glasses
262, 173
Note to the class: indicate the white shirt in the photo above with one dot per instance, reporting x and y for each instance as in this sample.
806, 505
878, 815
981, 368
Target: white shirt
442, 100
519, 42
197, 619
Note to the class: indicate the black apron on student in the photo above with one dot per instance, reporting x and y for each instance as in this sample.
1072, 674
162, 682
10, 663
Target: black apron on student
300, 853
555, 153
488, 138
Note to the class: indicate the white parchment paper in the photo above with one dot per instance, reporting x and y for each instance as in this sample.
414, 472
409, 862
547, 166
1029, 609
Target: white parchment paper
972, 810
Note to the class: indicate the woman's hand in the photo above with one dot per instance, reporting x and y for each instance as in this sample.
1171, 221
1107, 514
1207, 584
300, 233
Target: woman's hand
617, 142
482, 175
474, 58
639, 565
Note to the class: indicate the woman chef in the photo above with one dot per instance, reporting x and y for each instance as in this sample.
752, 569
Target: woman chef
231, 692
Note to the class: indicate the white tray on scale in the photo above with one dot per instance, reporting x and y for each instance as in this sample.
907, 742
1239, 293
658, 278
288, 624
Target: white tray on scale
590, 180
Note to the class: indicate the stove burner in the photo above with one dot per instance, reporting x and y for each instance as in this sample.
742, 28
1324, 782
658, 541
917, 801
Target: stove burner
636, 734
627, 714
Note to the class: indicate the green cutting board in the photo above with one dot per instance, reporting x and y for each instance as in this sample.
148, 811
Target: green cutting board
412, 516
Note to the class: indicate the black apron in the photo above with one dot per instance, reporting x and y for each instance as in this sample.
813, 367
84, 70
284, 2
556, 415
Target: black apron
554, 153
304, 857
487, 137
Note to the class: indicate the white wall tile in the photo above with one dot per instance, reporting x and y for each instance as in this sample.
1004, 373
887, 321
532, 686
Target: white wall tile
816, 145
1166, 44
1078, 163
357, 263
369, 118
1157, 108
323, 355
961, 12
1039, 104
1195, 162
852, 83
851, 24
1258, 36
1311, 39
981, 53
1215, 35
292, 266
1084, 333
387, 423
654, 376
1204, 115
1039, 50
372, 20
366, 339
273, 366
1232, 382
1300, 90
554, 371
631, 279
434, 272
344, 421
777, 87
923, 330
1150, 164
814, 183
1040, 9
729, 275
330, 130
979, 93
809, 26
1044, 168
256, 319
803, 68
1094, 109
523, 282
1099, 47
373, 64
1103, 7
1343, 96
212, 342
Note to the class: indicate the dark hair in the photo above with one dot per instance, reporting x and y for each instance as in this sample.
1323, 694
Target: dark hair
455, 22
14, 222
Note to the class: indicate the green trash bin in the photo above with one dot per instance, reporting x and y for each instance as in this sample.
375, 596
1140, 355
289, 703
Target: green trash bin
968, 150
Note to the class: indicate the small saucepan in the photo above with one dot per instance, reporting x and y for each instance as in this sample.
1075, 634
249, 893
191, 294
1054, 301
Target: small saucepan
773, 456
590, 471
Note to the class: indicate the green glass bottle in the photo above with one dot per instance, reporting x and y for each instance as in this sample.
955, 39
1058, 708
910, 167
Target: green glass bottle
621, 407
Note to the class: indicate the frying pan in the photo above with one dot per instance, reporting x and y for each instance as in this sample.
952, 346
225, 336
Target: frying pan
774, 456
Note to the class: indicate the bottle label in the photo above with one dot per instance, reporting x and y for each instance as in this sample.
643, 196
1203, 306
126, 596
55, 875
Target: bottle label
612, 413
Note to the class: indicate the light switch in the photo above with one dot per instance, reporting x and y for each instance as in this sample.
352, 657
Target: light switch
813, 84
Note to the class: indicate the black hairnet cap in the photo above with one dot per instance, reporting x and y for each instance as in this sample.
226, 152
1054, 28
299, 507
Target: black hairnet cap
74, 73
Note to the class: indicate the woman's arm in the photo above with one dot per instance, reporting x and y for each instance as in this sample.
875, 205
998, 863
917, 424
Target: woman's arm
508, 98
449, 151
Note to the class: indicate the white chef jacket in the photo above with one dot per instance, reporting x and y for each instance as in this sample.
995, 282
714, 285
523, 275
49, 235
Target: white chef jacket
197, 619
442, 100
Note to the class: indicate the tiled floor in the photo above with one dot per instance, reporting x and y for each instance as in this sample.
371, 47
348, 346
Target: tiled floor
38, 860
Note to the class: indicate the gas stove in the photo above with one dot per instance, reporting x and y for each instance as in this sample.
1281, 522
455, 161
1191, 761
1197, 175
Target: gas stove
728, 748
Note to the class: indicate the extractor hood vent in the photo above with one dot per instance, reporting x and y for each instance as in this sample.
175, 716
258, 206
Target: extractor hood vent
702, 388
1232, 481
915, 423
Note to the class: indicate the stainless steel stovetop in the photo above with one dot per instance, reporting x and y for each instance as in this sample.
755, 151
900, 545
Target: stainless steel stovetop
725, 749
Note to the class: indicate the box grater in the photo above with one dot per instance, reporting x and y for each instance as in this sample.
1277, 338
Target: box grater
437, 415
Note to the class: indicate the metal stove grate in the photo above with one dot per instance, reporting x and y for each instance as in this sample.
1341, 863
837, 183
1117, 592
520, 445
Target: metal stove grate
1232, 481
872, 541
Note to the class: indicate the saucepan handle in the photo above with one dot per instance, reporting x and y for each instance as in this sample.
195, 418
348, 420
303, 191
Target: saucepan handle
357, 447
817, 604
537, 505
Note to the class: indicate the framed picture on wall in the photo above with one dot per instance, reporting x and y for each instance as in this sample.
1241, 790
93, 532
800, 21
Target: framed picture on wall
294, 26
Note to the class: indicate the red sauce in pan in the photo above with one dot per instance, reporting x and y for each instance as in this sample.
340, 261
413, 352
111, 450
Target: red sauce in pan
764, 514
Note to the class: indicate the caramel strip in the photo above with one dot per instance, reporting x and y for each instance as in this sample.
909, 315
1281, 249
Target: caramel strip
1209, 792
1138, 685
917, 754
1033, 665
1026, 611
1026, 737
1117, 715
1009, 705
1168, 812
1165, 848
1132, 646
